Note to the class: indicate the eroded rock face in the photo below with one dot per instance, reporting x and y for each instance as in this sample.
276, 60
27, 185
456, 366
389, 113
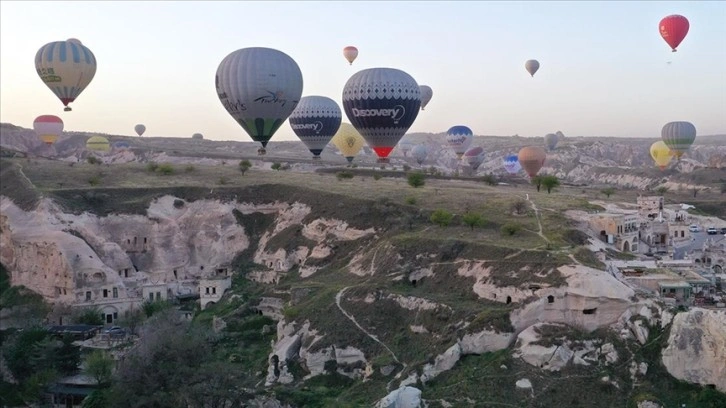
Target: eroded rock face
404, 397
591, 299
696, 349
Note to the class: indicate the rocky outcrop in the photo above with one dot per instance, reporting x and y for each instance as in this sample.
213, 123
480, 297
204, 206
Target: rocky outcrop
591, 299
404, 397
696, 349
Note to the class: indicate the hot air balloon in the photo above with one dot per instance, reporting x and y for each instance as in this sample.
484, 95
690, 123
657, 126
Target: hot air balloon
350, 53
426, 94
531, 159
66, 67
661, 154
98, 143
259, 87
121, 145
511, 164
531, 66
551, 140
48, 128
405, 145
140, 129
474, 157
348, 141
198, 136
315, 121
419, 153
678, 136
673, 29
459, 139
381, 103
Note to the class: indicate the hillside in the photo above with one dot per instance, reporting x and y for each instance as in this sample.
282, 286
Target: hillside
360, 293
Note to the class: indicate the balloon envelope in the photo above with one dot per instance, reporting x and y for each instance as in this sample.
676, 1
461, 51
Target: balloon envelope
661, 154
381, 103
98, 143
678, 136
121, 145
531, 159
459, 138
426, 94
673, 29
315, 121
48, 128
198, 136
140, 129
531, 66
511, 164
474, 157
551, 140
259, 87
348, 141
350, 53
419, 153
66, 67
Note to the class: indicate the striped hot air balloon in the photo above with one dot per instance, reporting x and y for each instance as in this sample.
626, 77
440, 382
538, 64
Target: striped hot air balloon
678, 136
48, 128
66, 67
315, 121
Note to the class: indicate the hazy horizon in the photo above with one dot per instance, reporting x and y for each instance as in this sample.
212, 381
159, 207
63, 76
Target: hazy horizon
604, 70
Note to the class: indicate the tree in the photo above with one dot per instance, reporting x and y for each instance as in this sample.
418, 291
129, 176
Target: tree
549, 182
133, 320
90, 315
695, 191
510, 228
661, 190
519, 207
608, 191
473, 220
441, 217
537, 181
244, 165
276, 166
99, 365
416, 179
490, 180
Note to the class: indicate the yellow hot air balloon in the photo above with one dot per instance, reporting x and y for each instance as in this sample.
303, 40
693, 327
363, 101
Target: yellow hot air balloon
348, 141
98, 143
661, 154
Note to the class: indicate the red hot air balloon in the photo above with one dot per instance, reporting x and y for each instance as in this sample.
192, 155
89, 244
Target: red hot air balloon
673, 29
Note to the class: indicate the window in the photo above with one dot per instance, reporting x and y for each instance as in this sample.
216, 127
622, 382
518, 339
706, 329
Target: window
144, 240
105, 293
207, 290
115, 315
115, 292
88, 295
151, 296
214, 291
158, 295
550, 299
589, 311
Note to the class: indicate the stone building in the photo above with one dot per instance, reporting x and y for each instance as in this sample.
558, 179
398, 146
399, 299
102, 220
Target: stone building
618, 229
211, 290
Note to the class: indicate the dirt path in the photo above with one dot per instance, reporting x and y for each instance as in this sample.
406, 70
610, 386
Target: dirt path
539, 221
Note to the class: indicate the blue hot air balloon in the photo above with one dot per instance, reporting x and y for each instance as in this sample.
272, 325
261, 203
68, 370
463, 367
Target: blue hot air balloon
315, 121
459, 139
511, 164
381, 103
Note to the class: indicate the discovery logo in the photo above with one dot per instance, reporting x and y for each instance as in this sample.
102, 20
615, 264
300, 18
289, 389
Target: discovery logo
316, 126
396, 113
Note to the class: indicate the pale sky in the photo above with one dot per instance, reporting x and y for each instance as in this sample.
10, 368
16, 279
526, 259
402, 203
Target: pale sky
603, 71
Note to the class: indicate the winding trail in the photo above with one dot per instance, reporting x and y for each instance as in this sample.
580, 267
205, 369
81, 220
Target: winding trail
350, 317
539, 220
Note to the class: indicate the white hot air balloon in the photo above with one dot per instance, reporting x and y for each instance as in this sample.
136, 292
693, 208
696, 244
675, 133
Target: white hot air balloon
426, 94
419, 153
259, 87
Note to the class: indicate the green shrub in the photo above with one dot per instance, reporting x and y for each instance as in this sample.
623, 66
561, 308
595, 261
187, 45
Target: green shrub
165, 169
411, 200
416, 179
510, 228
344, 175
441, 217
376, 176
152, 166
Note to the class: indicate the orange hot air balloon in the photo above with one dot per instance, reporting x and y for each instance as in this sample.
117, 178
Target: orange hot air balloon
532, 159
350, 53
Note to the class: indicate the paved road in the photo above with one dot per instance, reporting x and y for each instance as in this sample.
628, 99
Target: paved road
697, 242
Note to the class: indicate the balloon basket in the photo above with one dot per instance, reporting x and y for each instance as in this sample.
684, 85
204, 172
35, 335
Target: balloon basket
67, 109
261, 151
384, 160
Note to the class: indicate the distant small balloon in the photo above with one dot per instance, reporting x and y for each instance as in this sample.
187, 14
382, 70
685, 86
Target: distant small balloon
474, 157
350, 53
140, 129
511, 164
426, 94
532, 159
531, 66
661, 154
419, 153
459, 139
98, 143
198, 136
678, 136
